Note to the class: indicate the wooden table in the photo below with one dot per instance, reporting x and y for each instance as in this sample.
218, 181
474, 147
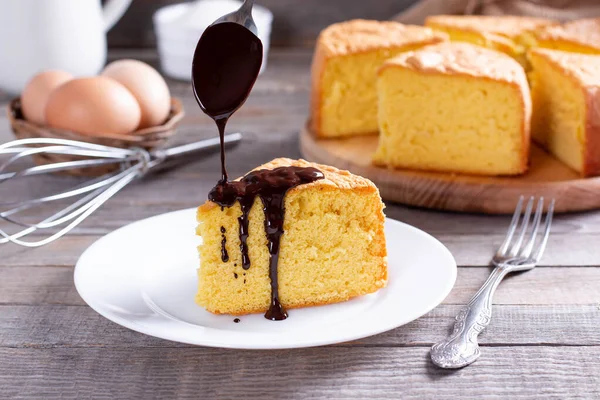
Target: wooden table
544, 339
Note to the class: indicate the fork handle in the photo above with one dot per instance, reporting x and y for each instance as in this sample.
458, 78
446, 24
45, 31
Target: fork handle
461, 347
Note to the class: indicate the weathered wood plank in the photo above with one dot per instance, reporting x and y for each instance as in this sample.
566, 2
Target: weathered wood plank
61, 253
38, 285
76, 326
334, 373
576, 285
564, 249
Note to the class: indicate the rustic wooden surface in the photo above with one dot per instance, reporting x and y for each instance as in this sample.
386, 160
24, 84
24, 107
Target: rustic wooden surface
543, 341
546, 177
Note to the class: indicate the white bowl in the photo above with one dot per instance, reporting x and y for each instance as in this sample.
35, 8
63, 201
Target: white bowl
177, 42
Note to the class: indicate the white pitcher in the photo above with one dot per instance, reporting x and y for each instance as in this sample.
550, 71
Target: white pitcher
70, 35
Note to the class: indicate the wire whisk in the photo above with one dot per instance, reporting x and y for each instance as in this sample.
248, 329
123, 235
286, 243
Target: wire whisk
129, 165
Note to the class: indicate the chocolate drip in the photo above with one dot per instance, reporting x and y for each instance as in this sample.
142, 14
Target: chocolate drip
246, 205
271, 187
221, 124
224, 254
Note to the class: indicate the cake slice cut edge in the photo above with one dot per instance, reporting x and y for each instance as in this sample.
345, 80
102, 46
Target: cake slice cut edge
566, 99
333, 247
454, 107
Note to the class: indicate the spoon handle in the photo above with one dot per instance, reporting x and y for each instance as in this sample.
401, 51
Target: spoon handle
243, 16
248, 4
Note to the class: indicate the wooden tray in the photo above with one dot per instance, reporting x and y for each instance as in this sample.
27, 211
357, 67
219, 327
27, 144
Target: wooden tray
491, 195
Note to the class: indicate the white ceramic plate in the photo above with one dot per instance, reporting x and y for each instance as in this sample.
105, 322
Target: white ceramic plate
143, 276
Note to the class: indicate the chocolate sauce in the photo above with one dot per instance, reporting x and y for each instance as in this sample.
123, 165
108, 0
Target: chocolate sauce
225, 66
226, 63
224, 254
237, 320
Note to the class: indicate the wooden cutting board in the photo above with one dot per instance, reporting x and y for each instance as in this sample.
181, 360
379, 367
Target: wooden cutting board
491, 195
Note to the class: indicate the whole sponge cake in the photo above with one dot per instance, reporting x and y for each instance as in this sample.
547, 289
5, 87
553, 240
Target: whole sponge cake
579, 36
508, 34
566, 115
347, 56
454, 107
332, 249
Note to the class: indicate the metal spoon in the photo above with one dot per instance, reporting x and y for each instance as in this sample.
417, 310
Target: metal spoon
243, 16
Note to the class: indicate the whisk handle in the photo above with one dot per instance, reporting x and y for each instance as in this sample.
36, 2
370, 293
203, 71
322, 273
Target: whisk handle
165, 157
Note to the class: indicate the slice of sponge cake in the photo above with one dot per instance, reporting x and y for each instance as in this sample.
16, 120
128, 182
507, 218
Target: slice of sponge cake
332, 249
565, 89
508, 34
347, 56
454, 107
578, 36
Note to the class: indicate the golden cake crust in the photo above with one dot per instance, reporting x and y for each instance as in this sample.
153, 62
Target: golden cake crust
509, 34
584, 32
584, 70
508, 26
461, 59
334, 178
360, 36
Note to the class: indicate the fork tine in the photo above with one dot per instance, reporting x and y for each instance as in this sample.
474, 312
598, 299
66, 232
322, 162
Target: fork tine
511, 228
539, 210
524, 224
540, 251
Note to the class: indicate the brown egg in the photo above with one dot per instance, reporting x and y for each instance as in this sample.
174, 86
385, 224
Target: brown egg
35, 95
147, 86
93, 106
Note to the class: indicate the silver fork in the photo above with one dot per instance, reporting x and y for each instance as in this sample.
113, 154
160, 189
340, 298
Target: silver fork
461, 348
